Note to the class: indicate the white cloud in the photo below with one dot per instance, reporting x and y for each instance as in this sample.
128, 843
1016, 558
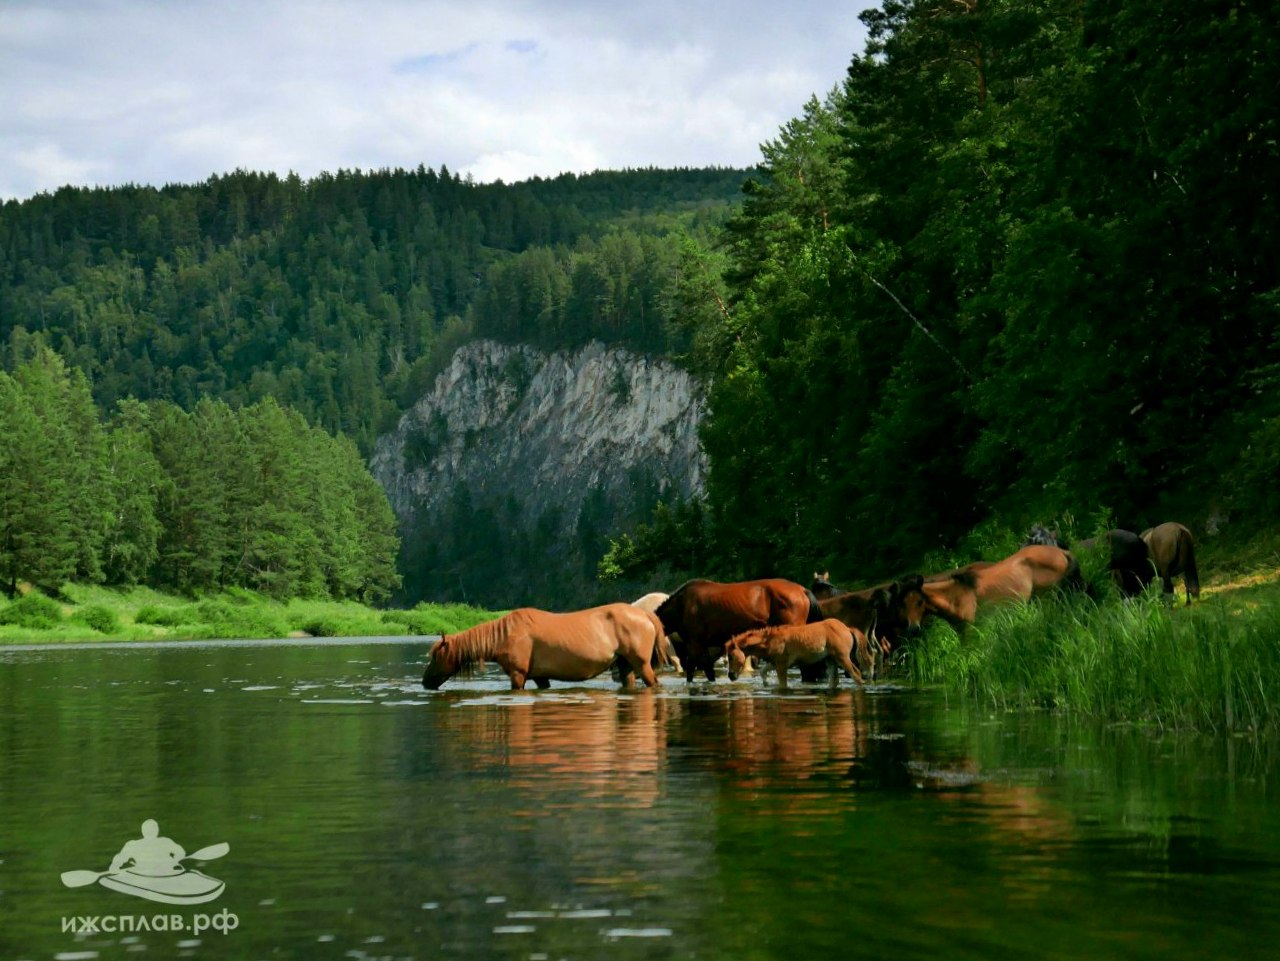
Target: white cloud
114, 91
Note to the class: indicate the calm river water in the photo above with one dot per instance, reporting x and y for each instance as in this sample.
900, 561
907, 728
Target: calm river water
366, 818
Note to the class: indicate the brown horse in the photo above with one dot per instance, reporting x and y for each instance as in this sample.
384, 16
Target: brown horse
705, 614
1173, 551
891, 611
955, 597
789, 644
533, 645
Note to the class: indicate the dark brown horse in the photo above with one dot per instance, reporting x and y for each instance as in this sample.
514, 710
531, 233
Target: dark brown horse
956, 596
1173, 551
706, 614
890, 612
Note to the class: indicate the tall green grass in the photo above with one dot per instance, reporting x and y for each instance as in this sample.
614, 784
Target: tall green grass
1213, 666
89, 613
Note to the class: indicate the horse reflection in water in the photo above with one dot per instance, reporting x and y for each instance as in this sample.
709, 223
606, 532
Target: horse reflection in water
769, 741
588, 745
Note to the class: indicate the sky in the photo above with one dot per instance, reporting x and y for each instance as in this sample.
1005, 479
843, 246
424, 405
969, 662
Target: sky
109, 92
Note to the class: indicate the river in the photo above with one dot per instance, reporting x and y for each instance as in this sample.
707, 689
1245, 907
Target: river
366, 818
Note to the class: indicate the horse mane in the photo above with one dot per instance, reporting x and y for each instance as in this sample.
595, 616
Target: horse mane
755, 635
966, 577
477, 644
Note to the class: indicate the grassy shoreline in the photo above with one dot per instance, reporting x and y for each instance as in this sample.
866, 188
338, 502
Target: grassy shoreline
1210, 666
88, 613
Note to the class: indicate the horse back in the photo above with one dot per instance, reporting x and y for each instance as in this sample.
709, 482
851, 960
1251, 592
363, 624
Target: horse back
852, 609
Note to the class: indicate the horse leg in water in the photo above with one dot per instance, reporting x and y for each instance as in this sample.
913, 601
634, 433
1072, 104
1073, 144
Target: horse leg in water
542, 683
622, 671
781, 666
630, 666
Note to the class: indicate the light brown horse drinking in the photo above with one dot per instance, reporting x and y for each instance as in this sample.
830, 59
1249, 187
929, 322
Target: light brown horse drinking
534, 645
789, 644
1173, 551
956, 596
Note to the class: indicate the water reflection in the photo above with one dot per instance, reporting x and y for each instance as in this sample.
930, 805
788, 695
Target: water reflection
369, 819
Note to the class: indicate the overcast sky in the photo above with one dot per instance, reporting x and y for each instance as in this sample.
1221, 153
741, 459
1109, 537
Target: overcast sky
170, 91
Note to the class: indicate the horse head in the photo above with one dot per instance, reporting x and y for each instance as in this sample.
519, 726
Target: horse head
903, 606
822, 587
737, 661
442, 664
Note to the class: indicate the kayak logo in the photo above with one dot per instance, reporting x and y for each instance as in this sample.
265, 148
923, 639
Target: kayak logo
151, 867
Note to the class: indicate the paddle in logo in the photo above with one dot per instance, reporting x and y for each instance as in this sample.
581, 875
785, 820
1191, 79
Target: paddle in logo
151, 867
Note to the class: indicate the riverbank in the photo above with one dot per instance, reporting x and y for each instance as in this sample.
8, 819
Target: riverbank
88, 613
1212, 666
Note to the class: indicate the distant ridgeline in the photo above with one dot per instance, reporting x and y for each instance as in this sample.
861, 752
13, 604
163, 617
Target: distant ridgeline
343, 296
513, 472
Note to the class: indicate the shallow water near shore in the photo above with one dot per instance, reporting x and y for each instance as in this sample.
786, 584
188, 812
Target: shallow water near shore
367, 818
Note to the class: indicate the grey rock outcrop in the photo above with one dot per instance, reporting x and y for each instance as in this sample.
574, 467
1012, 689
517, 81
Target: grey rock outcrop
511, 424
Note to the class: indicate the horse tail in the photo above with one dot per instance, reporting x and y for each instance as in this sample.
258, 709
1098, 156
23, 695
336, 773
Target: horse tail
658, 657
815, 609
1190, 577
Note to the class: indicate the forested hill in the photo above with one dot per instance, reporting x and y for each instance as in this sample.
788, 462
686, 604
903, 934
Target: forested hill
342, 296
1021, 265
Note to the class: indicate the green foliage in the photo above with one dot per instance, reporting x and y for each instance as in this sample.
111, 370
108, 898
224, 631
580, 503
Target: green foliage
1010, 268
33, 611
1213, 666
438, 618
142, 614
341, 296
101, 619
165, 616
218, 497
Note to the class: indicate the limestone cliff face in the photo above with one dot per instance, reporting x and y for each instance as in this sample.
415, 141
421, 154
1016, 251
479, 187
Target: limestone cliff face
536, 434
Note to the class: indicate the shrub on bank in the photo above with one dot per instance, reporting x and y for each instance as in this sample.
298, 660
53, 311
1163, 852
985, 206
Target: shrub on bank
99, 618
33, 611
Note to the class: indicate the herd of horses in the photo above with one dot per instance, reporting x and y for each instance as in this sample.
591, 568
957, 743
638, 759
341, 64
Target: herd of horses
820, 629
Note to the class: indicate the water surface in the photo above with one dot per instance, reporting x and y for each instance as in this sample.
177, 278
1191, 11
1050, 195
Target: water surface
367, 818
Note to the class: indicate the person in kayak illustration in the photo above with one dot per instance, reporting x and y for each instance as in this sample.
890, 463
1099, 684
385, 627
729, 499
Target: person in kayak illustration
150, 855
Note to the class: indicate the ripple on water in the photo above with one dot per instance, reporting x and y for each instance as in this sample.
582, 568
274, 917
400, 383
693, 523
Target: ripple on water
639, 933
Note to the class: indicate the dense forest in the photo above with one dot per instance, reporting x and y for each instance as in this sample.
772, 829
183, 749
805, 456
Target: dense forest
340, 297
215, 334
1019, 266
206, 499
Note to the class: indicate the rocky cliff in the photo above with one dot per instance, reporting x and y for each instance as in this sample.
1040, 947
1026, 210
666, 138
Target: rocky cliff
518, 457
